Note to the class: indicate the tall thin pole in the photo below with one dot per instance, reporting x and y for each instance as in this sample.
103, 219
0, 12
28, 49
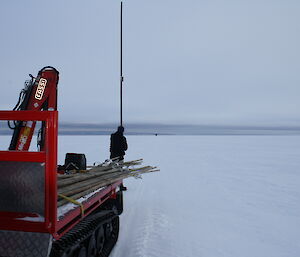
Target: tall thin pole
121, 65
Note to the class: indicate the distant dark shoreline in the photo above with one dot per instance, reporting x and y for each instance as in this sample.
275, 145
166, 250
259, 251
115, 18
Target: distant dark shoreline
167, 129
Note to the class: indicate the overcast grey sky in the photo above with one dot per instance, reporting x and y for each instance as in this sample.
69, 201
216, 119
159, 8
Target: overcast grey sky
202, 62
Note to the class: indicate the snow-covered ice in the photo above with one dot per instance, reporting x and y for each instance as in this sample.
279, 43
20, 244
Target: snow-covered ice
215, 196
228, 196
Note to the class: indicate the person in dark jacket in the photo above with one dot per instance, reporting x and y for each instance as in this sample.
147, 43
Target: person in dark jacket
118, 144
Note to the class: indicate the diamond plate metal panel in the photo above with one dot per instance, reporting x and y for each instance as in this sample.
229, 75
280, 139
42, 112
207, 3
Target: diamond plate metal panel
22, 187
24, 244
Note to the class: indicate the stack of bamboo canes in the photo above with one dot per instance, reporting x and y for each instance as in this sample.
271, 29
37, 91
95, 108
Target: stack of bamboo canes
80, 183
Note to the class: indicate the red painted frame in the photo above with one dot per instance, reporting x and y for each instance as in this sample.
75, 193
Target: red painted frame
49, 157
51, 224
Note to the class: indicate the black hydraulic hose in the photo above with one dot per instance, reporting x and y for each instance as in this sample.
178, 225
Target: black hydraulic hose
19, 100
21, 95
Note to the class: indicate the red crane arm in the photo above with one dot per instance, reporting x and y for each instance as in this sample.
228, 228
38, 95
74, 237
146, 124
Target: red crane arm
40, 95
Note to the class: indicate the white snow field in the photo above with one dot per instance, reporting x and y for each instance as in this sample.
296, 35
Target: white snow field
215, 196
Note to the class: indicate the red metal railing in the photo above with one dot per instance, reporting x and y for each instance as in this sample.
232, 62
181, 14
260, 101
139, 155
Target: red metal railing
11, 220
50, 224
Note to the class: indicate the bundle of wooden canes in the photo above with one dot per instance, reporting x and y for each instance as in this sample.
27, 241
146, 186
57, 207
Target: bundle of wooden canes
77, 184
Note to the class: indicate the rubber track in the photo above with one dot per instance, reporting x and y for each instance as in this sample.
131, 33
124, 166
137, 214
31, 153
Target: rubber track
77, 235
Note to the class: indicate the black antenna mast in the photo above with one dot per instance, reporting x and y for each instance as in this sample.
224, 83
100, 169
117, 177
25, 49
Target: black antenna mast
121, 65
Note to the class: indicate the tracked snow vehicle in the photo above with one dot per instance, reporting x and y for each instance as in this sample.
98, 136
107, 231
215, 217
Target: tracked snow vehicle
31, 223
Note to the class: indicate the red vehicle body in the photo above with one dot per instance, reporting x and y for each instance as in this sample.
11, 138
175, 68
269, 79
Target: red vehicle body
29, 221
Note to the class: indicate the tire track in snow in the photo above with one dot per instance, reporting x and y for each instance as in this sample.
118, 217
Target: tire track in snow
144, 225
149, 234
